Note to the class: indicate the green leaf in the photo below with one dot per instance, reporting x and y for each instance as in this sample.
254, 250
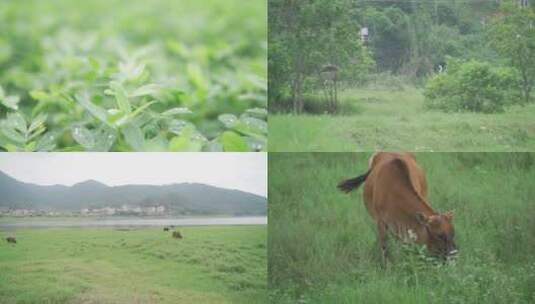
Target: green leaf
229, 120
84, 137
114, 115
213, 146
251, 126
39, 95
157, 144
41, 129
11, 102
196, 77
121, 97
132, 115
104, 139
148, 89
187, 141
184, 144
46, 143
257, 143
17, 122
178, 48
133, 136
130, 70
232, 142
37, 122
12, 148
177, 111
98, 112
177, 125
257, 112
30, 147
13, 135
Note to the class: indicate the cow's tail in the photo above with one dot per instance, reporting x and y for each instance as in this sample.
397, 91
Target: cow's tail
351, 184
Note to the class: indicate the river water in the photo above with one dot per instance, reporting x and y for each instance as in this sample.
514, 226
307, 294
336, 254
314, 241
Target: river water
137, 222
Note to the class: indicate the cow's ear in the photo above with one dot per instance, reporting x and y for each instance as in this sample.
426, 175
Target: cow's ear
449, 216
422, 218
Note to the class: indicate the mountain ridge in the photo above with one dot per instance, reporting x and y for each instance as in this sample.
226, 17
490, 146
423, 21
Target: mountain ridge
177, 198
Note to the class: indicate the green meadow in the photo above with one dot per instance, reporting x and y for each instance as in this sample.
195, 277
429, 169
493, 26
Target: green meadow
322, 243
396, 120
209, 265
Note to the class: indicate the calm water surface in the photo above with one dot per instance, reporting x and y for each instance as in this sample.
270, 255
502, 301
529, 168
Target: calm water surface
83, 222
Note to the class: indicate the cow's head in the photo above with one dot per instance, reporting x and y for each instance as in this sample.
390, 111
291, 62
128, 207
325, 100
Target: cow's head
440, 233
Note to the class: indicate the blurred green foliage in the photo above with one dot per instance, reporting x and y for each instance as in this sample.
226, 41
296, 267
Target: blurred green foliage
130, 75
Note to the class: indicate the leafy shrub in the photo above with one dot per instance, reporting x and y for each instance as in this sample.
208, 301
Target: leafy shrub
472, 86
118, 76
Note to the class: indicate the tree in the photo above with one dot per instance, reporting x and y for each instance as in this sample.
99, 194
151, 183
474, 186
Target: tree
306, 35
512, 35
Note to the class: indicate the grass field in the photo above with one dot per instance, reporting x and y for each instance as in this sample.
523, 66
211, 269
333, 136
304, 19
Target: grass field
322, 243
210, 265
397, 120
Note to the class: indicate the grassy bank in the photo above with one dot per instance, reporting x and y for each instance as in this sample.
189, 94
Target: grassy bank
397, 120
322, 243
210, 265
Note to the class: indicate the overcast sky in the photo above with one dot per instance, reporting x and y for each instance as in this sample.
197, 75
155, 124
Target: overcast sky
242, 171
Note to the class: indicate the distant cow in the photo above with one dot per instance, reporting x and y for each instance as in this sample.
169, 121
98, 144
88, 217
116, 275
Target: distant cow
177, 235
11, 239
395, 195
165, 228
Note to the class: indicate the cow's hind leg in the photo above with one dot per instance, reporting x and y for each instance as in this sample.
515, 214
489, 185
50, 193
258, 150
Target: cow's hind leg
382, 238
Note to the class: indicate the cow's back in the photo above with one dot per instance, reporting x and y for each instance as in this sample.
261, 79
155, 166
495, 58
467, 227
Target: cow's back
395, 188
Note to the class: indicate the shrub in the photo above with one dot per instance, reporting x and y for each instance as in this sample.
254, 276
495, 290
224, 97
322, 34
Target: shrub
472, 86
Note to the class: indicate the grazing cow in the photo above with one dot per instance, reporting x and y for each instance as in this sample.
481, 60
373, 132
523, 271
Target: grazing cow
177, 235
11, 239
165, 228
395, 195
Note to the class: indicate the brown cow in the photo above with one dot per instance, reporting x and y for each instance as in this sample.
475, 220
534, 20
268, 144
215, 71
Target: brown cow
11, 239
395, 195
177, 235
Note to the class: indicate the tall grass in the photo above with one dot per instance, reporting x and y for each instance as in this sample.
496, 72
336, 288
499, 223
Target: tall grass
322, 243
396, 119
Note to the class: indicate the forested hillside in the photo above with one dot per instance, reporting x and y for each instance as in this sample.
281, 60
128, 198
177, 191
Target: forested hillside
178, 199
